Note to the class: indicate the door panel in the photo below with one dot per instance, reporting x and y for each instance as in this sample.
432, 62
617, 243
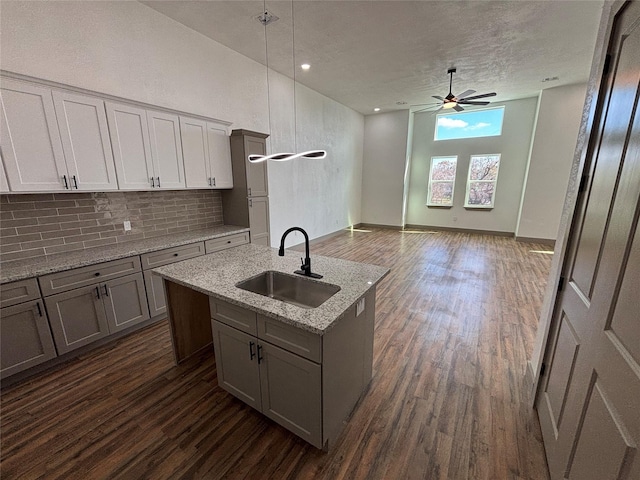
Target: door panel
589, 405
166, 149
257, 180
31, 145
85, 139
131, 146
125, 302
220, 156
195, 152
155, 294
259, 220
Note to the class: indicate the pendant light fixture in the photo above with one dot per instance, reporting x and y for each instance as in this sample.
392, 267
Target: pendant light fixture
265, 19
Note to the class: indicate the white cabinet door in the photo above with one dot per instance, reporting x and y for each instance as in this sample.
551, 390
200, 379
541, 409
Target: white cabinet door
196, 153
129, 134
166, 150
219, 156
85, 140
30, 139
4, 185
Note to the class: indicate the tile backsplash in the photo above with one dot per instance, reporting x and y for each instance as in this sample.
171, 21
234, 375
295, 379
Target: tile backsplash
33, 225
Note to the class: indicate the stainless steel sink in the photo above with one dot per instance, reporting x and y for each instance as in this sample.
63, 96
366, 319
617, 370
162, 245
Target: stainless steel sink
293, 289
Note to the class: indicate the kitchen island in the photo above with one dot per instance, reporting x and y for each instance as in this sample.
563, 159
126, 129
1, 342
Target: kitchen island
305, 368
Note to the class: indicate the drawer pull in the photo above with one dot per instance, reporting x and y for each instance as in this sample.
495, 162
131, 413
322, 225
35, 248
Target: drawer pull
97, 274
175, 254
228, 241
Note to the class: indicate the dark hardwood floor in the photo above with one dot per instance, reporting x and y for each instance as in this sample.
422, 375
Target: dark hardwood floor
455, 324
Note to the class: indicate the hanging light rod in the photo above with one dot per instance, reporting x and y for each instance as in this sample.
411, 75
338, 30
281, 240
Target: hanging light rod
265, 19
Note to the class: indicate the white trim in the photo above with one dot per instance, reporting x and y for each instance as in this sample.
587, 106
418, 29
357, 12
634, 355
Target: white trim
494, 182
431, 181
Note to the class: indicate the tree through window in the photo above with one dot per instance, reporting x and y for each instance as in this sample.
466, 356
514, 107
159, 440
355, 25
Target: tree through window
482, 180
442, 177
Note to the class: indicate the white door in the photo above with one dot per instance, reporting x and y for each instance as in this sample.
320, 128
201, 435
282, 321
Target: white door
166, 150
129, 134
30, 139
219, 156
195, 151
85, 139
589, 400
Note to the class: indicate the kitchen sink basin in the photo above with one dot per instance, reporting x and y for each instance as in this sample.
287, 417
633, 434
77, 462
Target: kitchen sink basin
296, 290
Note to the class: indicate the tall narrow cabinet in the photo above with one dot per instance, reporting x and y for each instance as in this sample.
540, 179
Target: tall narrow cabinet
247, 204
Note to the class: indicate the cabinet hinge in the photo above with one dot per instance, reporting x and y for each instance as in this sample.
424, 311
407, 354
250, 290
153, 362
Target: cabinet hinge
561, 284
607, 64
543, 368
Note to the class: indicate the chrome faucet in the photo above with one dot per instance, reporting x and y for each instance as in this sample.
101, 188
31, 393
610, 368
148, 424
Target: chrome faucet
305, 268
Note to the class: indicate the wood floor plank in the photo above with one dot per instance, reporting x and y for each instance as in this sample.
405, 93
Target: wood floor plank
455, 324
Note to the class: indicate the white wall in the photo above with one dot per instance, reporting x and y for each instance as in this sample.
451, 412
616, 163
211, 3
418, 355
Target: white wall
385, 150
129, 50
554, 142
513, 144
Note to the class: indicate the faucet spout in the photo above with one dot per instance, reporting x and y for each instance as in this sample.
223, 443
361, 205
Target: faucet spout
305, 268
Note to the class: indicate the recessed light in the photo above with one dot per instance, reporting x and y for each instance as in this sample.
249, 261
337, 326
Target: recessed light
377, 109
305, 66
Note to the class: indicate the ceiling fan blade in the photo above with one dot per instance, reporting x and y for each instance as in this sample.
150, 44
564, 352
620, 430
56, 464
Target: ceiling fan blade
484, 95
438, 109
458, 108
466, 102
425, 109
465, 94
433, 104
438, 97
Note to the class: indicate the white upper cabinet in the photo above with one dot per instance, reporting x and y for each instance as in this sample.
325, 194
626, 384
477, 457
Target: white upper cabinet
219, 156
166, 150
4, 185
30, 139
129, 133
196, 152
207, 154
85, 141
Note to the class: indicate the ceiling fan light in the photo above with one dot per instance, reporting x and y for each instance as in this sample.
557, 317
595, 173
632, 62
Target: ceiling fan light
449, 105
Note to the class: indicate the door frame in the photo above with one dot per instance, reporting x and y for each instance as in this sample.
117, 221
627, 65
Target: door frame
588, 138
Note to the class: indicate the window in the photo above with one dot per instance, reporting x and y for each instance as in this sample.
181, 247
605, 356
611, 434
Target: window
442, 176
481, 183
478, 123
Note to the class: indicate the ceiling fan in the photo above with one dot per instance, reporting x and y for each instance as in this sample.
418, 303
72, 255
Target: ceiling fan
454, 102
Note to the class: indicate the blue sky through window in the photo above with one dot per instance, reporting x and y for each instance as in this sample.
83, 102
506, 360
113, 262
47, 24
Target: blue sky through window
478, 123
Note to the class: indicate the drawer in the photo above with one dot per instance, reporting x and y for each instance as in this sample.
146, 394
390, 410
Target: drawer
171, 255
80, 277
217, 244
234, 316
295, 340
19, 292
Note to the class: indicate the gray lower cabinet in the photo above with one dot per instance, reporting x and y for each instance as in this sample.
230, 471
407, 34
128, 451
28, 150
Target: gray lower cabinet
25, 338
155, 293
83, 315
259, 220
283, 386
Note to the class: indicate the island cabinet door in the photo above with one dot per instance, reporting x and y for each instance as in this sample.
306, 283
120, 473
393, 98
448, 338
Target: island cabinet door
236, 362
125, 302
77, 317
291, 392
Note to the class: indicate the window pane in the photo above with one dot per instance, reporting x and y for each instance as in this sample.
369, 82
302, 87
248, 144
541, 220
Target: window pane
481, 193
484, 167
478, 123
441, 193
443, 168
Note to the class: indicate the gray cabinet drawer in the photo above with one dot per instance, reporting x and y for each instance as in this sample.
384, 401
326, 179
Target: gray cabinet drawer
80, 277
19, 292
234, 316
217, 244
296, 340
171, 255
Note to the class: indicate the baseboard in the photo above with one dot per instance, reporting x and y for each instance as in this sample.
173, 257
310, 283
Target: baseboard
378, 225
543, 241
460, 230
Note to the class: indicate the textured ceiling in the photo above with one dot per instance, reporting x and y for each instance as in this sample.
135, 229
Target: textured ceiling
367, 54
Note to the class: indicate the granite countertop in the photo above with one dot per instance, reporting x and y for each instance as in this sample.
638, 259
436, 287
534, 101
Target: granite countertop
33, 267
216, 275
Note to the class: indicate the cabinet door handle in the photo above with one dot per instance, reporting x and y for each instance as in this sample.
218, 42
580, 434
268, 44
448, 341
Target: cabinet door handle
209, 181
39, 308
106, 290
75, 182
259, 356
249, 191
251, 352
98, 291
158, 182
214, 181
66, 184
153, 182
251, 203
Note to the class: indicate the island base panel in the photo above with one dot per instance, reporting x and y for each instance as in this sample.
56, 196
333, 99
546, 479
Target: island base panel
189, 320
